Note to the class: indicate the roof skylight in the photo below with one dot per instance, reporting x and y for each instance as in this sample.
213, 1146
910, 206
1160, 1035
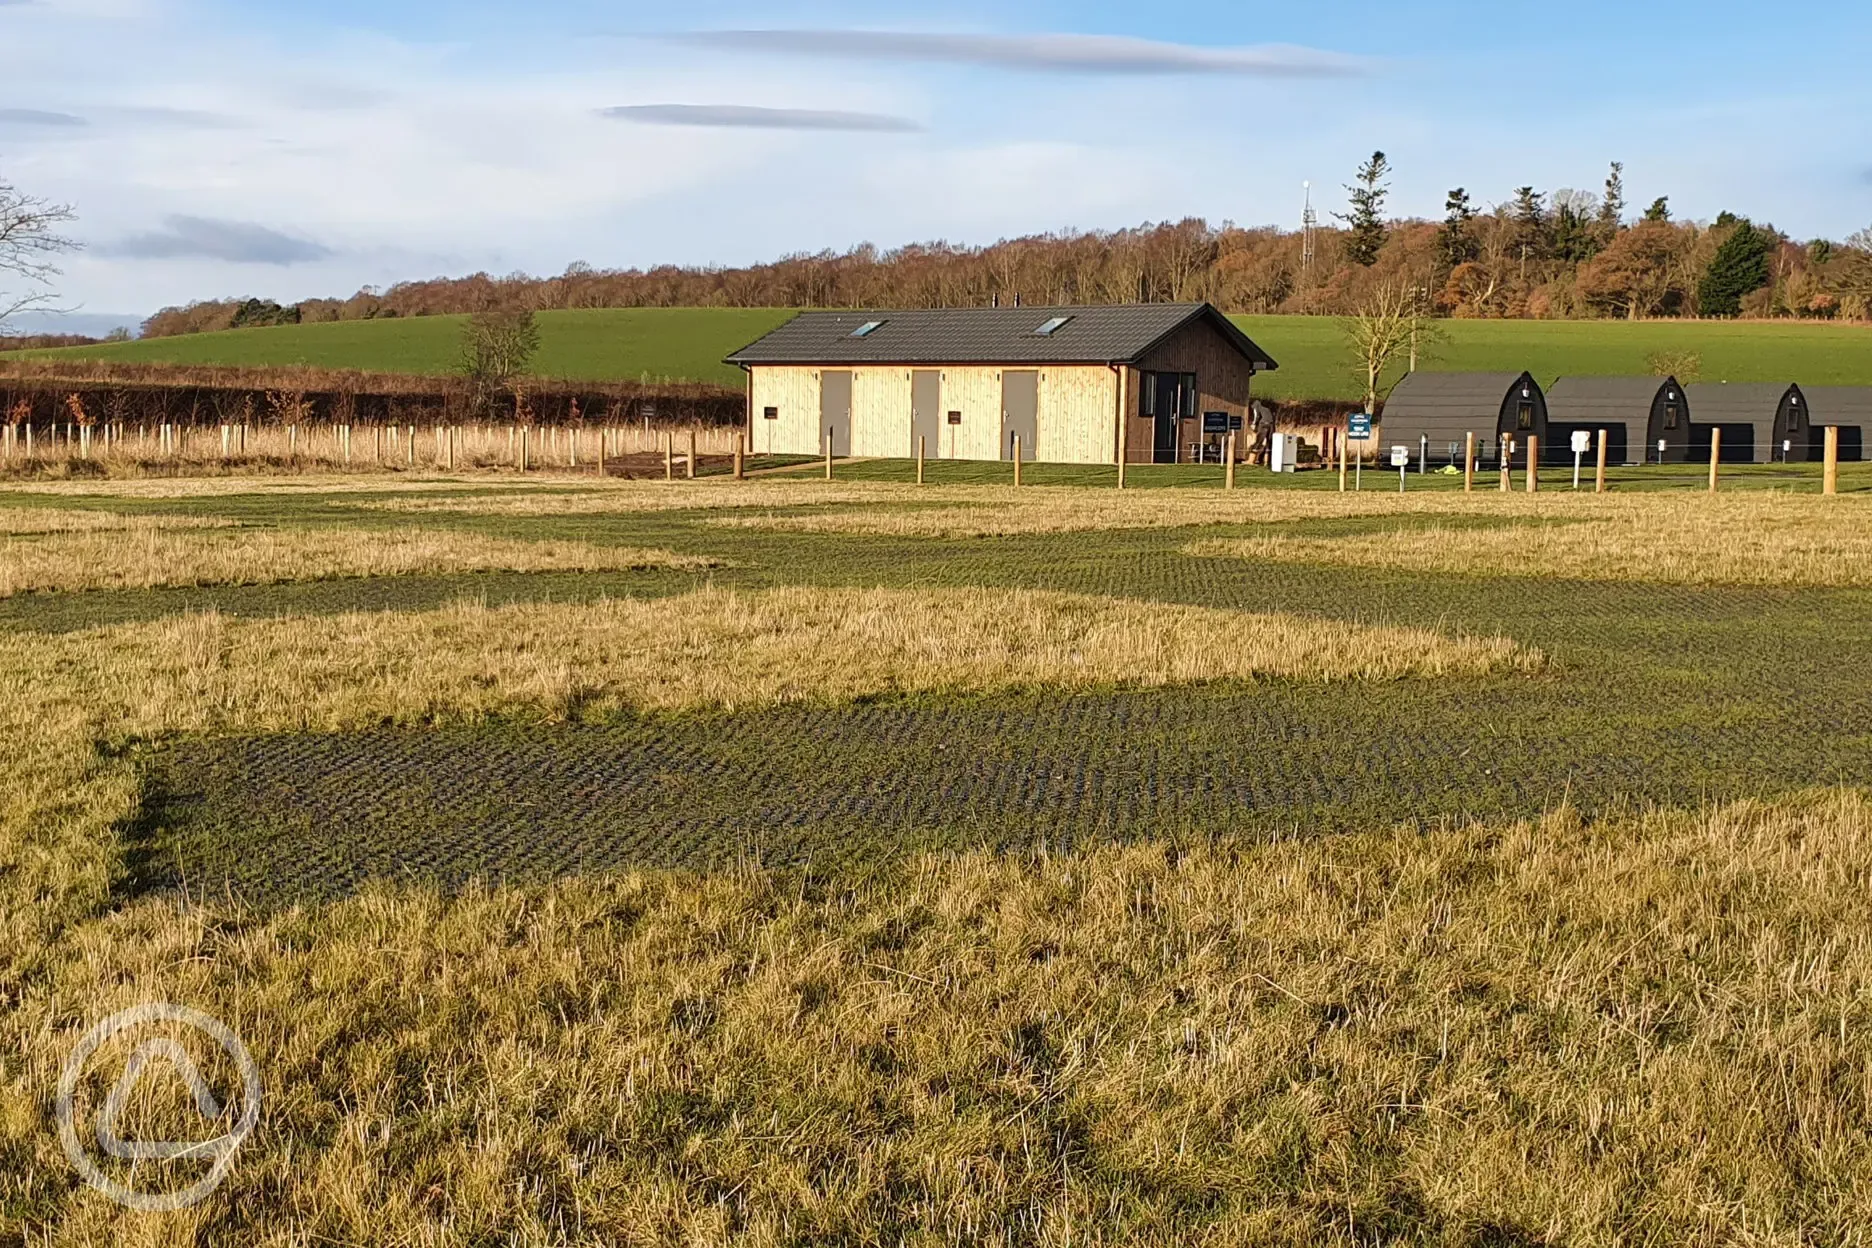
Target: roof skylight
1052, 327
867, 329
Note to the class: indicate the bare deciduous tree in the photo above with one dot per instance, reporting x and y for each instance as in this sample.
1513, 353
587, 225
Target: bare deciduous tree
29, 239
497, 347
1390, 324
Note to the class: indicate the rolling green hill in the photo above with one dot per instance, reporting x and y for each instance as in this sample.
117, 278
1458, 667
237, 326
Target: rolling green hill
689, 343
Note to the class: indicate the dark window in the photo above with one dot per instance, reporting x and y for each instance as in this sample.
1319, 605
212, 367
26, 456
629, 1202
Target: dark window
1189, 394
1794, 418
772, 413
1524, 419
1147, 396
1670, 415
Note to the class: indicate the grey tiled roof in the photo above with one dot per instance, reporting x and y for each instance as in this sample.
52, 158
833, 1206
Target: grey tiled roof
1587, 400
1839, 405
1736, 403
1458, 395
1115, 334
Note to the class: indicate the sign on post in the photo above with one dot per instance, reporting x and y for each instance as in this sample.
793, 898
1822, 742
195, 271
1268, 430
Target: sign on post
1358, 427
1400, 460
1216, 422
1582, 442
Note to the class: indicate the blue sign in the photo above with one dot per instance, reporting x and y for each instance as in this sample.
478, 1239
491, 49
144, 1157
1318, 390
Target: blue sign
1358, 427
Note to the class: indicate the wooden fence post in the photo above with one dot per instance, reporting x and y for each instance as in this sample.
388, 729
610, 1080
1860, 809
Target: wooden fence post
226, 437
1468, 463
669, 456
451, 447
1228, 451
1599, 478
740, 455
377, 444
1343, 466
1715, 457
828, 454
1507, 464
410, 453
692, 455
1829, 473
1017, 460
922, 450
526, 433
1533, 464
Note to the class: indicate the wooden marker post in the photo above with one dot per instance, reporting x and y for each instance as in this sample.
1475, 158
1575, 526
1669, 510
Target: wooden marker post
692, 455
922, 451
1122, 457
409, 446
1228, 451
1715, 458
1017, 461
1507, 465
451, 448
669, 456
1342, 464
1599, 478
1829, 473
526, 434
1533, 464
828, 454
1468, 464
740, 457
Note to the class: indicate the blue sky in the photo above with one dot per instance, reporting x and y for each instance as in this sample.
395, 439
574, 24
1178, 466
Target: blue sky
215, 148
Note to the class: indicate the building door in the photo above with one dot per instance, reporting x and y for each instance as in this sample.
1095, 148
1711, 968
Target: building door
1020, 413
835, 411
926, 412
1166, 396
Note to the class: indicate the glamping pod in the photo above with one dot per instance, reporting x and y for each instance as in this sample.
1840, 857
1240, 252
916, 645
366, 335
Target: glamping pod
1637, 413
1849, 408
1755, 419
1433, 414
1160, 383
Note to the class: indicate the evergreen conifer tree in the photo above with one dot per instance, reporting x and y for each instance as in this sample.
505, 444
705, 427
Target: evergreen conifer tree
1739, 268
1454, 240
1366, 220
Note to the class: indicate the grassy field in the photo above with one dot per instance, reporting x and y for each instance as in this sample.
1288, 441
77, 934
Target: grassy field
786, 862
689, 343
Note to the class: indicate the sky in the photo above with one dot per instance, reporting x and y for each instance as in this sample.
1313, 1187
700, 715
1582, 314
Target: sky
216, 149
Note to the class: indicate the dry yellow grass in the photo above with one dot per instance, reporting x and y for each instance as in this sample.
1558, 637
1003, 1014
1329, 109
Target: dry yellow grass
150, 556
721, 648
63, 697
308, 483
1640, 1031
30, 521
1662, 540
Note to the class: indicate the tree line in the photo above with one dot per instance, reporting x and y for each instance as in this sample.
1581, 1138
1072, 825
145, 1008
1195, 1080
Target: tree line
1567, 254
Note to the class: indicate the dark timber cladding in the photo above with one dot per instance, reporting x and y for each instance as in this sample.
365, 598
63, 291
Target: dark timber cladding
1756, 419
1849, 408
1076, 385
1433, 413
1637, 413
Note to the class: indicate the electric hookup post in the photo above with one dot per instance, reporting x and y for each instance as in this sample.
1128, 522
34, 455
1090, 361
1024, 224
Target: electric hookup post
1400, 460
1582, 442
1359, 430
